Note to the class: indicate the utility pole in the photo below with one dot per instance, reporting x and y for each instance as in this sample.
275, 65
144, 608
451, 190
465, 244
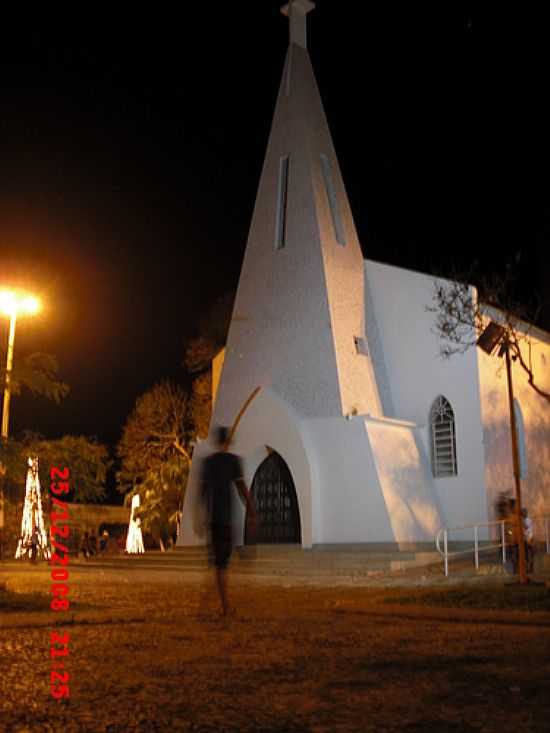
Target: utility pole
495, 336
523, 579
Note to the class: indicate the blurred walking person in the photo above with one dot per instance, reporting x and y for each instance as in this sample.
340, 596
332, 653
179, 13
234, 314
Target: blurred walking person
529, 539
33, 555
512, 533
92, 543
85, 545
221, 473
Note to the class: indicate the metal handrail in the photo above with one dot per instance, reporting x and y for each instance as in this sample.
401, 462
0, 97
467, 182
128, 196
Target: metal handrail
443, 535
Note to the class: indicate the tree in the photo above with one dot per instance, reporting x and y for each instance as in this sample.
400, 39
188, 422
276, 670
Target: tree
213, 328
154, 433
87, 460
200, 405
161, 497
37, 372
154, 456
461, 316
156, 442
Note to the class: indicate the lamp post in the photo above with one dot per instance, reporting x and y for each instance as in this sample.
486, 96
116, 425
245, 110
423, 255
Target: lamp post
12, 303
492, 337
7, 385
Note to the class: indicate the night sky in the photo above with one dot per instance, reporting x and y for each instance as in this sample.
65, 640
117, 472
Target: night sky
131, 149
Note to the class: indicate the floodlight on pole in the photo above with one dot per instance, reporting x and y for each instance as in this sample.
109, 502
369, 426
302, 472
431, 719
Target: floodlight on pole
491, 337
495, 335
12, 304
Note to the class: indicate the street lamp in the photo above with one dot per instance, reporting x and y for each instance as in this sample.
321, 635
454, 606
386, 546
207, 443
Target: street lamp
12, 303
492, 337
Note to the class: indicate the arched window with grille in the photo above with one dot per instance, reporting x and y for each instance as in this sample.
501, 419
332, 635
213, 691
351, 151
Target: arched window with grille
442, 423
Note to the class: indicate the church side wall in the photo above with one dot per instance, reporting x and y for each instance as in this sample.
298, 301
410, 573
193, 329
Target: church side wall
405, 479
496, 428
417, 375
353, 506
374, 482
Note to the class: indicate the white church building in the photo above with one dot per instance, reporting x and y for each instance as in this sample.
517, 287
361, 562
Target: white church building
358, 431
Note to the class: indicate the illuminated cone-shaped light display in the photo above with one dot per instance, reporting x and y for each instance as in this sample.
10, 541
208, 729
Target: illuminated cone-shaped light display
33, 539
134, 540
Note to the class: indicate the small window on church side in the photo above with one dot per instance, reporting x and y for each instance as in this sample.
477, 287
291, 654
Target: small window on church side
332, 200
282, 200
361, 346
442, 423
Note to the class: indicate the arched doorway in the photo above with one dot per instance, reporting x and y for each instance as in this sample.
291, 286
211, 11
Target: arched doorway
276, 504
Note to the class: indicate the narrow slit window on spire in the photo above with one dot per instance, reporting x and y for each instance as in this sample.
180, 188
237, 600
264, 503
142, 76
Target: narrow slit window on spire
282, 199
332, 200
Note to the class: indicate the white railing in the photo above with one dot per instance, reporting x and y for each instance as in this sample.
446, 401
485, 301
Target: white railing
442, 537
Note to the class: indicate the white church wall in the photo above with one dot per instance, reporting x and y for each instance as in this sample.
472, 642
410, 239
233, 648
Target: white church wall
377, 357
406, 481
536, 418
374, 482
353, 507
417, 375
268, 422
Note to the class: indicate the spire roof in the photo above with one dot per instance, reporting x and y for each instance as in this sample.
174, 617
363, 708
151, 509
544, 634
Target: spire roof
296, 11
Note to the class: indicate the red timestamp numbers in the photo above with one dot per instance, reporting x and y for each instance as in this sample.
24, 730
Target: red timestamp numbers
59, 562
59, 677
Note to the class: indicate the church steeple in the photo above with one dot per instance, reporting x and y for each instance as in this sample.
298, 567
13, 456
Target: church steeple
298, 324
297, 342
297, 11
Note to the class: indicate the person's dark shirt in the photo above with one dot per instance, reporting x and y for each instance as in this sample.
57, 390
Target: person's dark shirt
219, 472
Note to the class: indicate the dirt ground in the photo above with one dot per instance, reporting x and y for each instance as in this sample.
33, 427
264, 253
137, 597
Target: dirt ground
149, 652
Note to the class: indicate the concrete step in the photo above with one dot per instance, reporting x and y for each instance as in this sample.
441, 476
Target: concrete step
293, 559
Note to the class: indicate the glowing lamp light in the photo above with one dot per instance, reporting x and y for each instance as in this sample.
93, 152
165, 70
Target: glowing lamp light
7, 302
12, 302
31, 305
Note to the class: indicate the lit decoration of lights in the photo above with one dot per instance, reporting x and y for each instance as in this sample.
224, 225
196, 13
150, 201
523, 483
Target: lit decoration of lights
33, 537
134, 540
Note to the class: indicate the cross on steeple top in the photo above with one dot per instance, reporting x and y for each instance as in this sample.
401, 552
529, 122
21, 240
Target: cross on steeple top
296, 11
